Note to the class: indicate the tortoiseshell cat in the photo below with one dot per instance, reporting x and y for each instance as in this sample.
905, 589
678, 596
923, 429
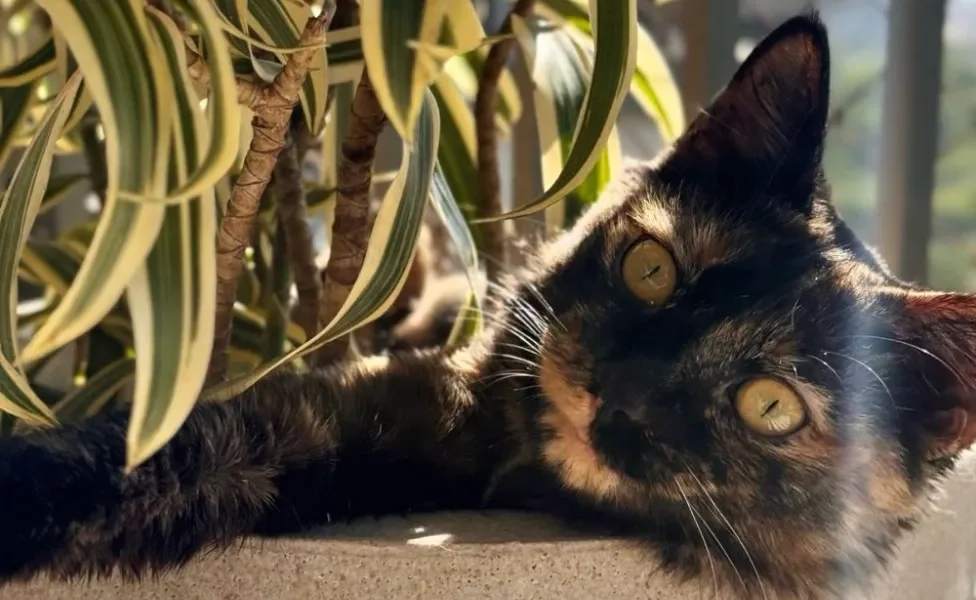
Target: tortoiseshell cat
709, 362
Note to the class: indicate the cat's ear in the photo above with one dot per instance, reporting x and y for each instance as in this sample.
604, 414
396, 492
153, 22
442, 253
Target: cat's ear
943, 326
764, 132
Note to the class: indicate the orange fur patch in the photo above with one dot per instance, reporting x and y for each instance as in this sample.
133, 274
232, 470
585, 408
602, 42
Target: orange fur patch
569, 415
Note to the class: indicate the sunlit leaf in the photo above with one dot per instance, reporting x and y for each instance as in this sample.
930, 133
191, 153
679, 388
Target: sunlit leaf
457, 152
615, 40
653, 85
173, 299
469, 322
562, 72
402, 46
38, 63
15, 105
132, 88
98, 390
18, 209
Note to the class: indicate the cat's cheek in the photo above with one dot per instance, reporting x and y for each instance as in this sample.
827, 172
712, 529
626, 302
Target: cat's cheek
568, 415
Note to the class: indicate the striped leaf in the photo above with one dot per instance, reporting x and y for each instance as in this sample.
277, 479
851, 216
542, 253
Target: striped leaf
457, 152
402, 45
615, 40
653, 85
562, 72
224, 111
469, 322
15, 105
132, 87
38, 63
98, 390
173, 298
391, 248
51, 263
281, 23
18, 209
59, 188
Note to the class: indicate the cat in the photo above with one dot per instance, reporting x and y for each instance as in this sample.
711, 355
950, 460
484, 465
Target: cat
709, 362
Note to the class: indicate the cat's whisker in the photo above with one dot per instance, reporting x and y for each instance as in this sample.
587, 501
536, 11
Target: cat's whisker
520, 359
827, 365
524, 311
721, 547
509, 327
545, 303
870, 370
531, 352
919, 349
701, 534
718, 512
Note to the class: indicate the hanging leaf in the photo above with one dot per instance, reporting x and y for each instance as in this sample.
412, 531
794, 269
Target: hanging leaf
653, 86
457, 152
562, 72
133, 90
18, 209
615, 39
37, 64
402, 46
98, 390
173, 298
15, 105
469, 322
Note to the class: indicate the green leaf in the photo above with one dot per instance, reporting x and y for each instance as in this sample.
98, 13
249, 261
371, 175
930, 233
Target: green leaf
469, 322
52, 263
468, 325
18, 209
282, 23
222, 106
59, 188
615, 40
457, 152
98, 390
402, 46
132, 87
38, 63
391, 248
562, 72
15, 103
173, 298
653, 85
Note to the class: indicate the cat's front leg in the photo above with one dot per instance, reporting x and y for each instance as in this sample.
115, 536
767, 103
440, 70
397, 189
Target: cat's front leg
381, 436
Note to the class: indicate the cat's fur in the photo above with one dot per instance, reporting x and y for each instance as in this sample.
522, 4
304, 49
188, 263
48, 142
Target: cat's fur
771, 282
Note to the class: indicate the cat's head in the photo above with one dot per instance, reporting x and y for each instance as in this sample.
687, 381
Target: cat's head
726, 362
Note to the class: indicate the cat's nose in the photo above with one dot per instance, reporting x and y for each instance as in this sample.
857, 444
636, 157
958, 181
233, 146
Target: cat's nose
620, 416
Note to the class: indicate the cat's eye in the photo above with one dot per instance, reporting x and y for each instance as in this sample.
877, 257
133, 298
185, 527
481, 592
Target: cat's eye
649, 272
770, 407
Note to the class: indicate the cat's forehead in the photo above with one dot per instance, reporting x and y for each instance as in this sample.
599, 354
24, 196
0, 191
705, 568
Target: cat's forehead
700, 228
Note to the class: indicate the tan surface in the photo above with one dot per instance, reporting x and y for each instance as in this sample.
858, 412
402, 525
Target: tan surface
500, 556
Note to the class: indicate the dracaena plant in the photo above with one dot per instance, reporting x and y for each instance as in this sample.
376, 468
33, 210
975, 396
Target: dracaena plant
178, 287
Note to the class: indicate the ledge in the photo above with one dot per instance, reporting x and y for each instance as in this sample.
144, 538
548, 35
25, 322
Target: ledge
474, 556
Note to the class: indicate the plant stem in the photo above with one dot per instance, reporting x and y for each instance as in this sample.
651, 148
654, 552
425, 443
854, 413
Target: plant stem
493, 234
296, 233
352, 225
272, 106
